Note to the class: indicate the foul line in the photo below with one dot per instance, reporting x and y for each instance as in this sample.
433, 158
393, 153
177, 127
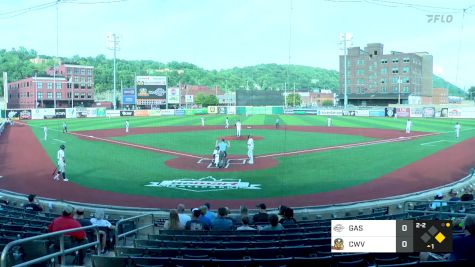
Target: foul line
375, 142
433, 142
137, 146
61, 141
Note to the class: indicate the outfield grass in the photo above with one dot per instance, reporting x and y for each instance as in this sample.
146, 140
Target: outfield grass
126, 170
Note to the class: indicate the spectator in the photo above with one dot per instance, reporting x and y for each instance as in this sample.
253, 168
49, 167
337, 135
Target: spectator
245, 225
464, 246
65, 222
173, 222
211, 215
244, 212
33, 205
453, 195
437, 204
79, 216
195, 224
274, 224
184, 218
105, 226
288, 218
261, 216
463, 198
282, 208
222, 222
203, 218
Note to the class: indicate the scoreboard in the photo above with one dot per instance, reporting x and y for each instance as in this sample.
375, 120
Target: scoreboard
391, 236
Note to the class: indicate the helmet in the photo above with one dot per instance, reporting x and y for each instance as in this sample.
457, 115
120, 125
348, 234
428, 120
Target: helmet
62, 146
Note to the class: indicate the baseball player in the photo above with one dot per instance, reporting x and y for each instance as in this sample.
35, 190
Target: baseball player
216, 156
277, 123
457, 130
329, 122
45, 130
250, 149
126, 126
65, 127
408, 126
226, 126
238, 128
223, 146
61, 164
202, 121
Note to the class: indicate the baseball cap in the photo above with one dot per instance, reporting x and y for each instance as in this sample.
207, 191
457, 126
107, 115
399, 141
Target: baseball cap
68, 209
196, 212
80, 210
261, 206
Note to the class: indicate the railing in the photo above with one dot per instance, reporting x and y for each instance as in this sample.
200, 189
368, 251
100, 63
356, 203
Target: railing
135, 219
449, 208
62, 250
2, 126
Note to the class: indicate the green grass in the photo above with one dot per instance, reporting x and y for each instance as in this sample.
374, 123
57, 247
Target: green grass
127, 170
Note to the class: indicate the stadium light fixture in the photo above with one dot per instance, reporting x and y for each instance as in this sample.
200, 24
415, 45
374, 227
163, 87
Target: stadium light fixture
344, 39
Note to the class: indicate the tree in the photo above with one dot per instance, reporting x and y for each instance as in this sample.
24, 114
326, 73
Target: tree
200, 99
293, 100
327, 103
211, 100
471, 92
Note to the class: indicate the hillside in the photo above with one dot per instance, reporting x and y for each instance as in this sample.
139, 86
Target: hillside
264, 77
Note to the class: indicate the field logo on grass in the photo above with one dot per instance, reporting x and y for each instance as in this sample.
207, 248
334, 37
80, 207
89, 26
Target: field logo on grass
206, 184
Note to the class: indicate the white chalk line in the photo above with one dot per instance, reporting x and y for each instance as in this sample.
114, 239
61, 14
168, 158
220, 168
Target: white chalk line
61, 141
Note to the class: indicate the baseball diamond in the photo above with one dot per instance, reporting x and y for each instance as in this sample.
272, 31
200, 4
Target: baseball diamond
302, 163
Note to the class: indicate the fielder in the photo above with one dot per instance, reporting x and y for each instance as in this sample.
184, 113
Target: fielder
329, 122
277, 123
250, 149
61, 164
408, 126
45, 130
226, 126
202, 121
65, 127
238, 128
126, 126
457, 130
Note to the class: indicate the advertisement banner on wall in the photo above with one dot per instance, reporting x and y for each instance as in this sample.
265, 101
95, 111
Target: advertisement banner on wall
189, 99
231, 110
154, 112
101, 112
25, 114
428, 112
91, 112
179, 112
349, 113
403, 112
389, 112
141, 113
377, 113
113, 113
362, 113
173, 95
212, 110
70, 113
454, 112
126, 113
60, 113
167, 112
222, 110
416, 112
467, 112
330, 112
37, 114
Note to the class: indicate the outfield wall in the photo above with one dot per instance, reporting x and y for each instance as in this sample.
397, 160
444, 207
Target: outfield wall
402, 112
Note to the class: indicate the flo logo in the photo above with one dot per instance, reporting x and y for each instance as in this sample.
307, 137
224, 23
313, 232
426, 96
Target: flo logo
206, 184
439, 18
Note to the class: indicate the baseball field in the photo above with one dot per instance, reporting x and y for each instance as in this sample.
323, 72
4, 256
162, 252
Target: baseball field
162, 161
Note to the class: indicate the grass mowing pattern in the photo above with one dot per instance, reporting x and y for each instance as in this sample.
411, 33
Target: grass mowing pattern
126, 170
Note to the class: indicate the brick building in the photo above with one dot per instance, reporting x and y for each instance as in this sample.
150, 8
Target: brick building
72, 86
375, 78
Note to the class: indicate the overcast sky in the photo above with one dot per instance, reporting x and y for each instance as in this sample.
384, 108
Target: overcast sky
220, 34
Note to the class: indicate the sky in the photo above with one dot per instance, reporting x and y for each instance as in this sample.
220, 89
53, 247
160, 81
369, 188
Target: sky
222, 34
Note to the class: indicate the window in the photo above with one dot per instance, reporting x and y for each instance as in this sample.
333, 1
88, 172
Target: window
76, 95
89, 95
76, 79
75, 71
360, 72
384, 71
83, 71
383, 89
50, 95
396, 60
383, 80
27, 94
58, 85
405, 89
83, 95
83, 85
58, 95
395, 79
405, 70
50, 85
27, 84
360, 90
68, 70
405, 80
384, 61
69, 94
359, 81
40, 95
360, 62
39, 85
69, 85
395, 70
395, 89
406, 60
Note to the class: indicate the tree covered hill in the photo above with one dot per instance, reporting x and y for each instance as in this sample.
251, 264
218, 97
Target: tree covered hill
19, 64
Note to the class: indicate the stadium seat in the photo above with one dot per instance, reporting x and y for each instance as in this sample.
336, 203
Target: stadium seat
356, 263
231, 263
414, 263
325, 261
277, 262
229, 254
388, 260
103, 261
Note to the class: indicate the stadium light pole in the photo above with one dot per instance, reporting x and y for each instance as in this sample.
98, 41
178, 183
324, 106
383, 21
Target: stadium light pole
113, 44
345, 38
399, 90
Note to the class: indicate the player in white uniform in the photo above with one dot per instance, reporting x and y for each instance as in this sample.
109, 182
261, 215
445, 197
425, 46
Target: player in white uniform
329, 122
250, 149
126, 126
457, 130
238, 128
216, 156
408, 126
226, 126
202, 121
45, 130
61, 164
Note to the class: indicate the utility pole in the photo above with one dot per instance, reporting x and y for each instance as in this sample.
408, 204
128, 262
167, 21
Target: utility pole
345, 38
113, 44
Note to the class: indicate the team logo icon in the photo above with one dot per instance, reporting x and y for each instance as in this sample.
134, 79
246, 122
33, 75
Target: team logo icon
338, 244
338, 228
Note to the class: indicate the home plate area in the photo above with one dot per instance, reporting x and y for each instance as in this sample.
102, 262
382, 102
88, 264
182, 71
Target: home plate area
230, 162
